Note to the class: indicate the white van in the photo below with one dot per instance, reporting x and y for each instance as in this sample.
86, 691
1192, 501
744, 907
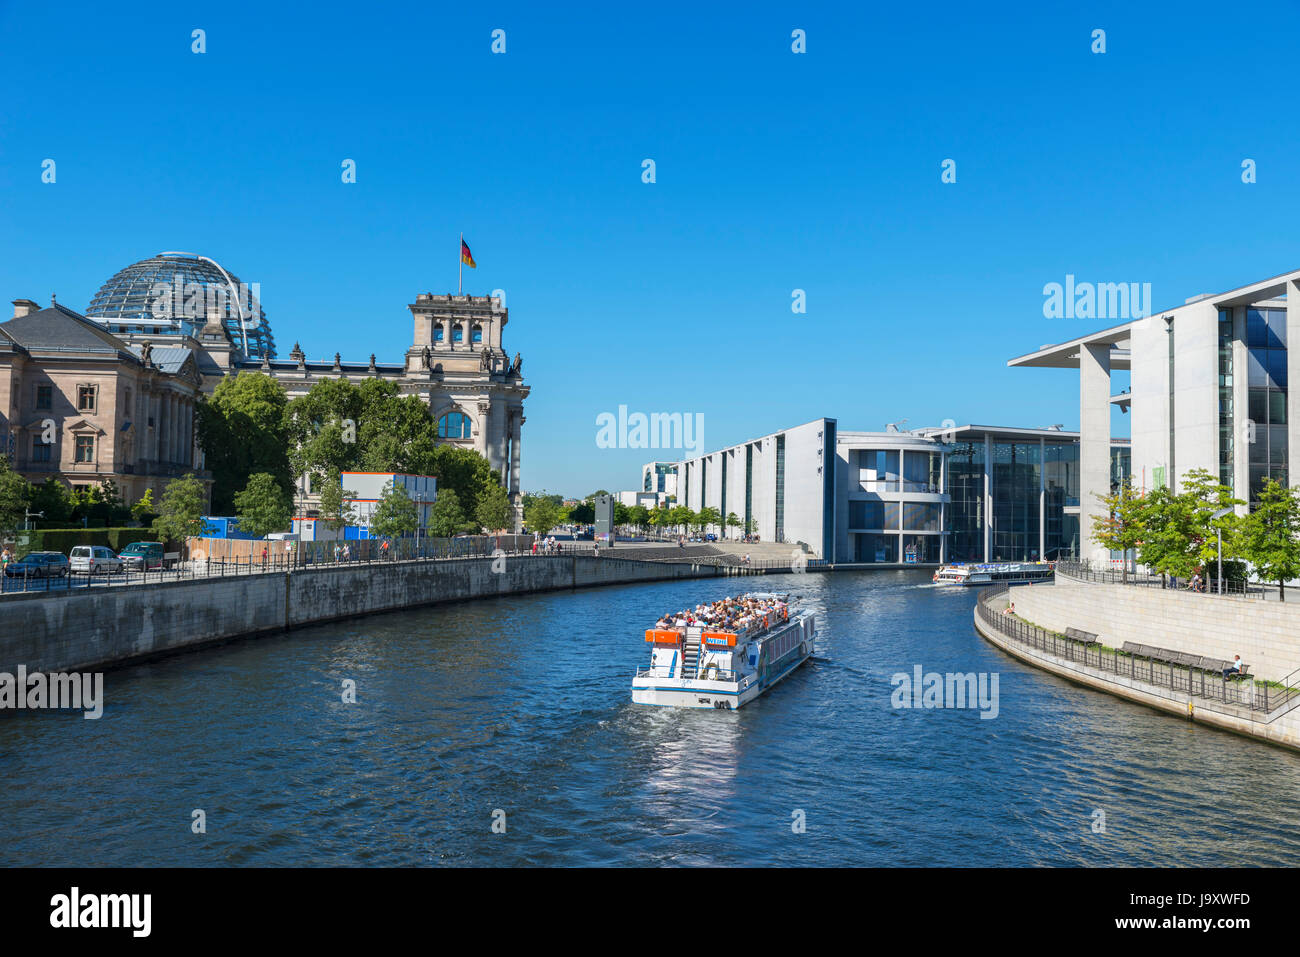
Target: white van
94, 559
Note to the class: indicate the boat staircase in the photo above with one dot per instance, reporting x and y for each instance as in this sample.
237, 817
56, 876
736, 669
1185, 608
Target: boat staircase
690, 657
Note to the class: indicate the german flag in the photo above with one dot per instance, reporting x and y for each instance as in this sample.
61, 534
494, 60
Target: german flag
466, 256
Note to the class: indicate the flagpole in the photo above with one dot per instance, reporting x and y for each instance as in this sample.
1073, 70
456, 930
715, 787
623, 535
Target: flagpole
460, 267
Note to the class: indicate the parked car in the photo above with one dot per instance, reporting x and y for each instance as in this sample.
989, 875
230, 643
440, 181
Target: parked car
95, 559
39, 565
143, 556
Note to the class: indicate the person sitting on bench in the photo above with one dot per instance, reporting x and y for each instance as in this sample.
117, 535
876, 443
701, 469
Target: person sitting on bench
1234, 668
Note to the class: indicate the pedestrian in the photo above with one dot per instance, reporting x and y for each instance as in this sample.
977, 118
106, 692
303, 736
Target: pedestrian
383, 549
337, 552
347, 552
264, 553
288, 553
1234, 668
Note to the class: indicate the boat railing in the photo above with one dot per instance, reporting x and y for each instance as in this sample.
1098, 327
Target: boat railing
708, 674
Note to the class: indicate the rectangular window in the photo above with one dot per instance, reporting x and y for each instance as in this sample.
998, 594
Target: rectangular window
85, 398
40, 450
85, 448
867, 515
44, 396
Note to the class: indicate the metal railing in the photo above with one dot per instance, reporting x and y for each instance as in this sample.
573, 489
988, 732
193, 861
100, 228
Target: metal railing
1265, 700
1084, 570
278, 562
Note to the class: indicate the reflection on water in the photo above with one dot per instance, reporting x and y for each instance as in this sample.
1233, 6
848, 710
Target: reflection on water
522, 705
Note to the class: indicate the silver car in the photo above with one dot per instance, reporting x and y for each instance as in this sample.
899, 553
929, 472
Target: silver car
95, 559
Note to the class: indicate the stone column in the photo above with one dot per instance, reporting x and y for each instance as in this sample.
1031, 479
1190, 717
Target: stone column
189, 434
516, 427
173, 433
481, 431
1094, 443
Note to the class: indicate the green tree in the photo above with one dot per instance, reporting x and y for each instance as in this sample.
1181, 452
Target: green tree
321, 428
733, 520
1268, 535
242, 430
180, 514
621, 513
494, 510
263, 506
707, 516
1180, 534
638, 516
15, 495
1205, 496
446, 517
55, 500
142, 510
542, 512
584, 513
1122, 526
335, 505
682, 517
395, 514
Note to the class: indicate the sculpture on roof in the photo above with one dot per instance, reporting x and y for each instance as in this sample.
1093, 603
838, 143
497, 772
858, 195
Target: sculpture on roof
146, 353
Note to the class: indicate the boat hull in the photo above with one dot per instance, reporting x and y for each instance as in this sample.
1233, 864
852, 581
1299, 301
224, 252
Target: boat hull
715, 695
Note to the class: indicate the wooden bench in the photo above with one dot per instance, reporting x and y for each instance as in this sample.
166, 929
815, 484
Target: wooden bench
1086, 637
1184, 660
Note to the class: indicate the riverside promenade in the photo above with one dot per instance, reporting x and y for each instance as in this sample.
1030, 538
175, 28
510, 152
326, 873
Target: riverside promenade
94, 628
1265, 705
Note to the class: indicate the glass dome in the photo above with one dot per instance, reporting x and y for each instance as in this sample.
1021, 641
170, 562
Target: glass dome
172, 293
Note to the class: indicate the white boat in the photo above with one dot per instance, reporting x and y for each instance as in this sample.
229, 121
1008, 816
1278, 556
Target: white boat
994, 573
696, 665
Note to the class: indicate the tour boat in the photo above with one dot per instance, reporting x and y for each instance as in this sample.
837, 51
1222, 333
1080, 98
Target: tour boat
994, 573
707, 666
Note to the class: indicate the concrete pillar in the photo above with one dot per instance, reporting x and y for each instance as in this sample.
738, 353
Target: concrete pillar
1094, 443
1292, 392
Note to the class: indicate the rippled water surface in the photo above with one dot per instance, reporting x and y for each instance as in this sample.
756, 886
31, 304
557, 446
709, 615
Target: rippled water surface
522, 705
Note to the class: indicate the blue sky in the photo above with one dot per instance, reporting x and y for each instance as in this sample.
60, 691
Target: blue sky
775, 171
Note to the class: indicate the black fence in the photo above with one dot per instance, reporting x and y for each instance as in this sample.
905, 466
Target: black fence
1265, 700
66, 582
1086, 571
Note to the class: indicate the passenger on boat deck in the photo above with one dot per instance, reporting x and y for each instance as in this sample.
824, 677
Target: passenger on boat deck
729, 613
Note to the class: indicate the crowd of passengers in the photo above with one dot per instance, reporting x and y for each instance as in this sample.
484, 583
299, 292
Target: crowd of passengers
728, 614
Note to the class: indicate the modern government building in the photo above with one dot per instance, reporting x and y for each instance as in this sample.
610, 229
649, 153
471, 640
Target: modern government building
923, 496
1209, 390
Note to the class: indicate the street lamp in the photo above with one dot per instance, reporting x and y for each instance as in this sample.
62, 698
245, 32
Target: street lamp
1219, 532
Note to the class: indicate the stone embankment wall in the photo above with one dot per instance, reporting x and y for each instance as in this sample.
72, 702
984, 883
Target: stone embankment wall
1265, 633
102, 627
1282, 730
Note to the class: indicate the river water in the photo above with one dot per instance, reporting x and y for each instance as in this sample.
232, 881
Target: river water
521, 706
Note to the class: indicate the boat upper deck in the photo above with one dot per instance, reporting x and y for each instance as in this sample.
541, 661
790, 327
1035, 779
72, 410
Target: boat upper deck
743, 616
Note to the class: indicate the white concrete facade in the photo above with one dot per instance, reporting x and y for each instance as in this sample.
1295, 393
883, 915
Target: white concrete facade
1189, 408
775, 485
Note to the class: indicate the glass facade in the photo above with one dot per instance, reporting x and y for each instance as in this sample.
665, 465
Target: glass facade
966, 507
133, 300
1016, 475
1266, 387
1226, 459
780, 488
875, 548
